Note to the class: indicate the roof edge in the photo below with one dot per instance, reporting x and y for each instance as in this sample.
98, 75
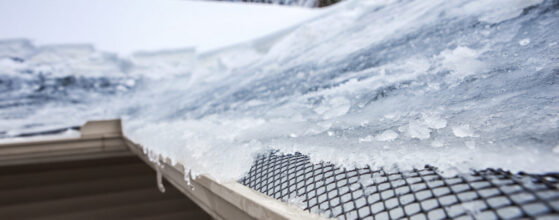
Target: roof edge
101, 139
214, 197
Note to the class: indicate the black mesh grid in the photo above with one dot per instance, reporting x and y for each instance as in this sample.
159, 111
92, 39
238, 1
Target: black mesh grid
364, 193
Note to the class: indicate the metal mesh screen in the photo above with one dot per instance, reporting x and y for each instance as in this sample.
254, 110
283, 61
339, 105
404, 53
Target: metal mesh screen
365, 193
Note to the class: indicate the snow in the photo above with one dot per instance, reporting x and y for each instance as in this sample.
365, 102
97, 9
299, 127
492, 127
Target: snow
494, 10
463, 131
524, 42
418, 130
65, 134
388, 135
297, 201
335, 107
366, 182
462, 62
437, 143
392, 84
162, 64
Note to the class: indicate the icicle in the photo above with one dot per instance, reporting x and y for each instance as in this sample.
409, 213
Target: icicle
188, 178
159, 178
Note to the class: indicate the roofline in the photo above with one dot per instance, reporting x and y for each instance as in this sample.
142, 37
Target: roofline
100, 139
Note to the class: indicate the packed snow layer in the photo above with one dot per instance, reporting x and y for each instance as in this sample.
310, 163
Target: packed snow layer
396, 84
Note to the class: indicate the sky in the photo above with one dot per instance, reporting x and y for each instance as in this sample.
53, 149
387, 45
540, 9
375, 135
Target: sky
126, 26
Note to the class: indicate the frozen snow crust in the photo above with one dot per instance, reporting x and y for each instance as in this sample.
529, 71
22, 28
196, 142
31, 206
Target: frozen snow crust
458, 85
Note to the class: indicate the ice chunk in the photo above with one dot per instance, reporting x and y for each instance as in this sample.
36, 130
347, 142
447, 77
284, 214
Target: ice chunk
435, 122
524, 42
463, 61
368, 138
388, 135
418, 130
334, 107
298, 201
463, 131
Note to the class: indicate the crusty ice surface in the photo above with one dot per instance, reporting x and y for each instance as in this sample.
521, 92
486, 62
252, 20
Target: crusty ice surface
397, 84
457, 85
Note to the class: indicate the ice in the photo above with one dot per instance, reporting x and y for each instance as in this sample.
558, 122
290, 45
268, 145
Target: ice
524, 42
462, 61
463, 131
449, 89
437, 143
159, 180
418, 130
335, 107
388, 135
496, 14
435, 122
163, 64
367, 182
297, 201
384, 84
369, 138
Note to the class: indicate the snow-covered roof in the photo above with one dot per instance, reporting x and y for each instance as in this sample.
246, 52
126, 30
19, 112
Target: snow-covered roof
458, 85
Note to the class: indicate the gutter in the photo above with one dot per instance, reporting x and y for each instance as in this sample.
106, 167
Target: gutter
100, 139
